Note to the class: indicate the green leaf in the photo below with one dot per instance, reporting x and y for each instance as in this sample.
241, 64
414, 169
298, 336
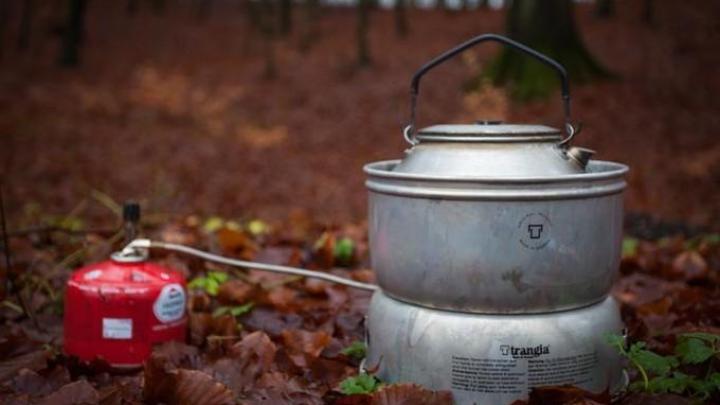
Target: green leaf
693, 350
616, 341
361, 384
714, 379
257, 227
234, 311
677, 383
212, 286
629, 247
218, 276
211, 283
356, 350
198, 283
220, 311
650, 361
241, 309
213, 224
233, 225
344, 249
708, 337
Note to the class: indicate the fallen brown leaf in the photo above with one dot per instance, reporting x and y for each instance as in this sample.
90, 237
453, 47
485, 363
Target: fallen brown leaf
76, 393
302, 344
410, 394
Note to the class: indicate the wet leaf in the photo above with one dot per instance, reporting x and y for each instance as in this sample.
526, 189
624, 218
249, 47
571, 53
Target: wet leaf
690, 265
407, 394
76, 393
566, 395
34, 361
235, 292
302, 344
246, 361
166, 383
236, 242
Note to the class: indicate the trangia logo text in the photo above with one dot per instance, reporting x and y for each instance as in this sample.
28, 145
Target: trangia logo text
524, 352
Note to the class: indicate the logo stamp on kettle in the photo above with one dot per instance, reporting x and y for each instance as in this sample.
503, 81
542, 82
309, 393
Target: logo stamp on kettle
534, 231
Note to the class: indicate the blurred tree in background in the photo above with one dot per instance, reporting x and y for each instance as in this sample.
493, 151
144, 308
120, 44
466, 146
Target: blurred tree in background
401, 21
363, 28
549, 27
604, 8
73, 32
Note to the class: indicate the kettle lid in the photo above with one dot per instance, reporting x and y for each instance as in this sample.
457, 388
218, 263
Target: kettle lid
488, 131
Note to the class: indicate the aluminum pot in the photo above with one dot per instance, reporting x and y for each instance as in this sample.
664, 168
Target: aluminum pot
495, 218
493, 359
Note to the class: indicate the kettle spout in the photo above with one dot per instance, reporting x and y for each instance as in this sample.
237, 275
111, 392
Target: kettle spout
581, 156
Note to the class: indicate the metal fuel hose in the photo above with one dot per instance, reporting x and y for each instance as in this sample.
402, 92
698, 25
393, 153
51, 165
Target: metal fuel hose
140, 246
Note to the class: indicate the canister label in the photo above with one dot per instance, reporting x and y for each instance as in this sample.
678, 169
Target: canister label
514, 369
117, 328
170, 303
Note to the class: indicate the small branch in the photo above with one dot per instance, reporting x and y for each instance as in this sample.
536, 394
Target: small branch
107, 201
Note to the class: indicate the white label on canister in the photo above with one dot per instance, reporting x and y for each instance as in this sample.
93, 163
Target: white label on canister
514, 370
170, 304
117, 328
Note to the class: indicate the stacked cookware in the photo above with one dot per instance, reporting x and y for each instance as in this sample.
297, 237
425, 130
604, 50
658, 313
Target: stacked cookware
495, 247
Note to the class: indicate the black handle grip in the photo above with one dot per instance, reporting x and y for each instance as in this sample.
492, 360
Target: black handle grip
409, 131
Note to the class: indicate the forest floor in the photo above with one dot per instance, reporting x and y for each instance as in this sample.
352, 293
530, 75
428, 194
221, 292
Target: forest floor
175, 112
261, 338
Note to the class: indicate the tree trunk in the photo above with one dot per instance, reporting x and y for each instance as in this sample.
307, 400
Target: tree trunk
648, 11
268, 28
3, 24
309, 31
401, 22
285, 17
131, 7
363, 22
549, 27
23, 41
159, 6
441, 5
203, 8
483, 4
73, 33
604, 8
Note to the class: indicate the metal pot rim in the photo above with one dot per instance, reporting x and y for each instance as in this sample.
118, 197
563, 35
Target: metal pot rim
597, 170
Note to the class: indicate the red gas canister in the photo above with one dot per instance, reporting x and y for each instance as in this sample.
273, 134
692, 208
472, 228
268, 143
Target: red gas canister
118, 309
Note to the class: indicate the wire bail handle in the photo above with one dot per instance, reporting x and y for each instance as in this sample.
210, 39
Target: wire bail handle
409, 131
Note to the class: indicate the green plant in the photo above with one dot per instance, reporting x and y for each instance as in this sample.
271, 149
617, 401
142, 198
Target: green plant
234, 310
257, 227
344, 249
362, 383
671, 374
629, 247
209, 283
356, 350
